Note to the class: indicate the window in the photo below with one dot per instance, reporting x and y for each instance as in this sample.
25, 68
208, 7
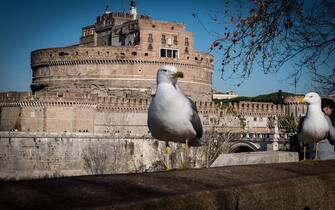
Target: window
163, 53
186, 41
150, 47
186, 50
175, 53
175, 40
163, 39
63, 53
169, 53
150, 39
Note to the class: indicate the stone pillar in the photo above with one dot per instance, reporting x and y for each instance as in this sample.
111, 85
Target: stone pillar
275, 138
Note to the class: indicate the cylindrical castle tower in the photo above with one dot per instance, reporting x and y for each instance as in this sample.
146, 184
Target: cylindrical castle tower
119, 56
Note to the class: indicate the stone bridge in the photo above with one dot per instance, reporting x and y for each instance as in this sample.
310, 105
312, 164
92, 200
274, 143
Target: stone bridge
251, 142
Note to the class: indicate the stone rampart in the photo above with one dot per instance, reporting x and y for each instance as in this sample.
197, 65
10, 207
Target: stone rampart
44, 111
37, 155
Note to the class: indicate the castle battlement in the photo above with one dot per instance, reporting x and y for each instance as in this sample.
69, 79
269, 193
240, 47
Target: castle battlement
47, 99
139, 104
76, 55
259, 108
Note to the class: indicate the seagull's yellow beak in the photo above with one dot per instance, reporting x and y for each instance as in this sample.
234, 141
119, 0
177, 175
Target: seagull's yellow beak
301, 100
178, 74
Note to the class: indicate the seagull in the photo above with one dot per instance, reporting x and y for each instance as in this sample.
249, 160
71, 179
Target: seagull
171, 115
314, 126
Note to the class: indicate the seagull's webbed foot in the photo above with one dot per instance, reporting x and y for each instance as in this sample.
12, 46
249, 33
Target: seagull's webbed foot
186, 147
186, 150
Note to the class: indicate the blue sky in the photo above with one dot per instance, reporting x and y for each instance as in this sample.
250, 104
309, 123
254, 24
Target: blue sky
35, 24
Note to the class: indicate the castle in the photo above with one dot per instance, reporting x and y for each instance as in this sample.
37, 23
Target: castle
104, 84
96, 93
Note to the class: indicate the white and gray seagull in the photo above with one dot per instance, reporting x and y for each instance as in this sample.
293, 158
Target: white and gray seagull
314, 127
172, 116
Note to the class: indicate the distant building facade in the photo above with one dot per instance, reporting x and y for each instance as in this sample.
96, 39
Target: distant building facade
226, 95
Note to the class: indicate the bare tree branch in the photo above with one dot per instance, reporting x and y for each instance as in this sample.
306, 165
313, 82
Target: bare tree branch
275, 33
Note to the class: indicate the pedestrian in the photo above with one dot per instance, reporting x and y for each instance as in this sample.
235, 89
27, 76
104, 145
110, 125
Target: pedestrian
326, 147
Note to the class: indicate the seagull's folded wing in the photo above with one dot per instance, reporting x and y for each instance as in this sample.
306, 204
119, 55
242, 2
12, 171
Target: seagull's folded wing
195, 119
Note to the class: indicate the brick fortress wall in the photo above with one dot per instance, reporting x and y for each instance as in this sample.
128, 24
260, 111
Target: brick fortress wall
75, 112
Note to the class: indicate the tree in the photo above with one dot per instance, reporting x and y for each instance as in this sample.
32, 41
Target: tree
289, 124
216, 144
219, 141
277, 33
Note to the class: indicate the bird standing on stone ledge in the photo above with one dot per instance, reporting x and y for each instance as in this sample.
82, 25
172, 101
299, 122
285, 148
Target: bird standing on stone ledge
314, 126
172, 116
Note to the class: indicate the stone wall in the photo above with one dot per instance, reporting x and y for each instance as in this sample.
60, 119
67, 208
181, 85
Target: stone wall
10, 118
37, 155
78, 112
51, 115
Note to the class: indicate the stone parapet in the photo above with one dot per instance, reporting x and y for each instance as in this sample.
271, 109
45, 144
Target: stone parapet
247, 158
302, 185
29, 155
